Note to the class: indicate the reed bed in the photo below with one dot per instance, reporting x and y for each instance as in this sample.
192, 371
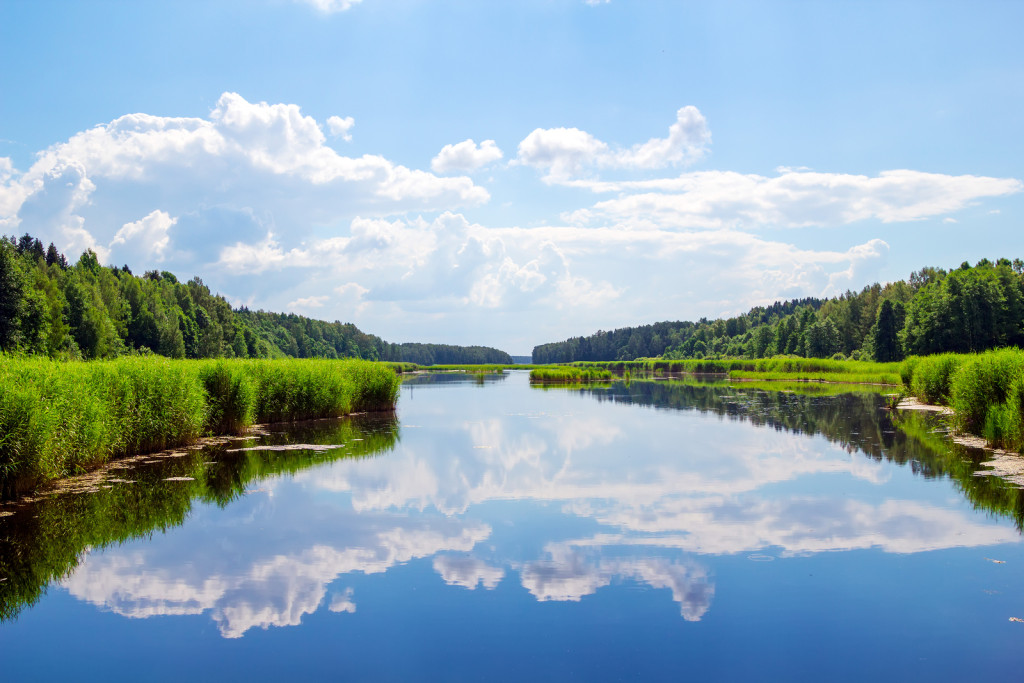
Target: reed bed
63, 418
817, 369
985, 391
930, 377
570, 375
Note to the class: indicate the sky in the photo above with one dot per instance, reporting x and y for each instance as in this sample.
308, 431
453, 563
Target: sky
515, 173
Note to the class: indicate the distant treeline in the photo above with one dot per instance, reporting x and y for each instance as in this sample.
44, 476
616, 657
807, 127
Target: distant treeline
51, 307
969, 309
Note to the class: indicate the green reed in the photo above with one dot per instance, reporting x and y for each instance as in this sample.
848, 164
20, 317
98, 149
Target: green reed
63, 418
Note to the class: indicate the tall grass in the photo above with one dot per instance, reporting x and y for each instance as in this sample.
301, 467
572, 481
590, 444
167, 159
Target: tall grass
62, 418
986, 395
569, 374
782, 368
985, 391
930, 377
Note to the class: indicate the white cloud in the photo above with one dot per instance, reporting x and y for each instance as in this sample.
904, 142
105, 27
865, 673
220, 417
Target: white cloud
567, 152
341, 127
724, 199
151, 232
465, 156
269, 159
308, 302
562, 152
331, 6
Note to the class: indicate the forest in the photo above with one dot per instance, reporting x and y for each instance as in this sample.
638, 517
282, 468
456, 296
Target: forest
967, 309
84, 310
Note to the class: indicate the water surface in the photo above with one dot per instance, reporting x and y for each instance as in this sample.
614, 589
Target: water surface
493, 530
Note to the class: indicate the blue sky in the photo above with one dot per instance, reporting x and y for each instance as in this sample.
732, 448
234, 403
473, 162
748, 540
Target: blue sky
515, 173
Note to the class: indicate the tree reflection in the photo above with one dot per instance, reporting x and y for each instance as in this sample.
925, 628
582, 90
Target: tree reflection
854, 418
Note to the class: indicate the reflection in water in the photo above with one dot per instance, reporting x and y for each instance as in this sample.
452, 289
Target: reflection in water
44, 541
468, 572
568, 574
248, 584
609, 493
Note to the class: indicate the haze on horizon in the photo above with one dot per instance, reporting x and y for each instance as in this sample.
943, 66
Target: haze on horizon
510, 174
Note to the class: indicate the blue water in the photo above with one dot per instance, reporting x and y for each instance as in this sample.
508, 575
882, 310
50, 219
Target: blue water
514, 533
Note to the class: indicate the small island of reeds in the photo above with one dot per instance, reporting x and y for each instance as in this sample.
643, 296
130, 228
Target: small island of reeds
569, 375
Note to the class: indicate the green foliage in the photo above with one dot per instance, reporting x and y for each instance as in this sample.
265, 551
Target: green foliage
89, 311
985, 394
985, 391
62, 418
969, 309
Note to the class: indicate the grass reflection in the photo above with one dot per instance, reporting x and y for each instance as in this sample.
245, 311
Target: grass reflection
44, 539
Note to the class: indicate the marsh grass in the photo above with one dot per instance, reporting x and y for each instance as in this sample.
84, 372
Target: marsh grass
930, 377
985, 391
571, 375
63, 418
777, 369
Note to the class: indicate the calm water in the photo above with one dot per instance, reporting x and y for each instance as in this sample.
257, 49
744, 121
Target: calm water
490, 530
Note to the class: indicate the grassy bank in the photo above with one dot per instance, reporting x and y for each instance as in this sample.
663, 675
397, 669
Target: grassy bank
985, 391
63, 418
791, 369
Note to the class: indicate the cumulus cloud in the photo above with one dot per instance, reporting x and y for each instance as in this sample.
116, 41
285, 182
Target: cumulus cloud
567, 152
150, 233
725, 199
266, 158
446, 261
465, 156
308, 302
341, 127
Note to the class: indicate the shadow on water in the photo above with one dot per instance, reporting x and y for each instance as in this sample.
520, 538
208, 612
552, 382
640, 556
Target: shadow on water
853, 417
42, 540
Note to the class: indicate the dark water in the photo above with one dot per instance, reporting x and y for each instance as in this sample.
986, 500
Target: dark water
494, 531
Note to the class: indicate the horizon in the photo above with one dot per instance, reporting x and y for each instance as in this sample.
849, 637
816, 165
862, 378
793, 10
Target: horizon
510, 175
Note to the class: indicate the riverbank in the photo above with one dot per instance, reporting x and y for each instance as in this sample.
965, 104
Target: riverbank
788, 369
64, 418
984, 391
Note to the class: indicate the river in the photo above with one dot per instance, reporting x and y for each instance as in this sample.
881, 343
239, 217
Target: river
490, 530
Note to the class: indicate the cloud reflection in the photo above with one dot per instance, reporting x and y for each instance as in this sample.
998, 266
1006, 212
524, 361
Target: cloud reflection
254, 591
570, 575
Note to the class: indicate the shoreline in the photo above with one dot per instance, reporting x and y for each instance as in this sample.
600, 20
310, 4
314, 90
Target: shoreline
93, 480
1005, 464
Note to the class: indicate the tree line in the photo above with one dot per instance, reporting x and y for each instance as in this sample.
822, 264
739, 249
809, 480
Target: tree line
84, 310
967, 309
